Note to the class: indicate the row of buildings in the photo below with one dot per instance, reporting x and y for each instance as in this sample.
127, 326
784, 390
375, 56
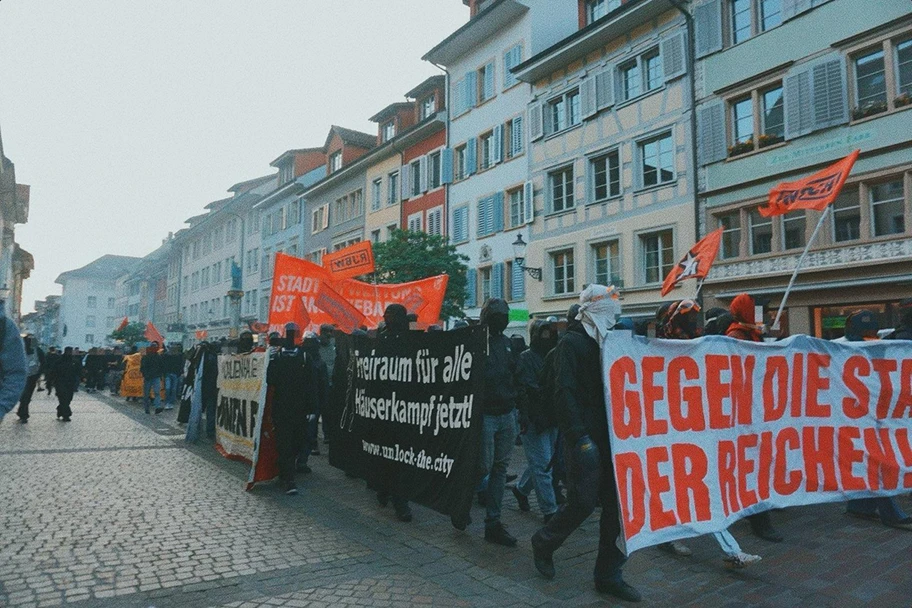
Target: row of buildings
15, 262
567, 142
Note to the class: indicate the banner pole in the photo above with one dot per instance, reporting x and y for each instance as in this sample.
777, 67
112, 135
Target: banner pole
699, 289
804, 253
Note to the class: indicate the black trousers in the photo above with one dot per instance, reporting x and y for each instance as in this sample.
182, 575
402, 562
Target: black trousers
64, 397
291, 437
589, 480
26, 398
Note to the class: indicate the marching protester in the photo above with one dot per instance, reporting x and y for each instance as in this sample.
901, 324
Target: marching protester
13, 365
173, 363
152, 369
209, 385
114, 363
537, 421
583, 421
51, 359
328, 356
744, 327
35, 361
94, 370
67, 375
320, 390
903, 331
499, 426
862, 326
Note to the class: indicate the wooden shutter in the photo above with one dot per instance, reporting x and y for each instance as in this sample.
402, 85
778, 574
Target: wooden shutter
460, 224
498, 142
604, 88
405, 182
488, 81
485, 216
471, 90
423, 167
799, 109
516, 136
497, 280
536, 122
588, 97
471, 288
517, 283
325, 216
497, 212
471, 156
528, 202
831, 105
674, 56
712, 138
708, 27
446, 166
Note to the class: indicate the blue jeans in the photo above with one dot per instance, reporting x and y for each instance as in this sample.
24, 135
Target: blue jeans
539, 448
885, 506
153, 385
499, 436
172, 387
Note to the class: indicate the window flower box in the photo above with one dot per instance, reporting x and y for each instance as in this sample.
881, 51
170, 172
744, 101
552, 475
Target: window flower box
742, 147
769, 140
903, 100
869, 109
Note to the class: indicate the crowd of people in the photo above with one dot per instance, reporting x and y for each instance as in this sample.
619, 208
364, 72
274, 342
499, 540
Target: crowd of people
547, 397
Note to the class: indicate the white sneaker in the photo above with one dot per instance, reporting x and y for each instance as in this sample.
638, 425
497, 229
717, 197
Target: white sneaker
676, 547
740, 560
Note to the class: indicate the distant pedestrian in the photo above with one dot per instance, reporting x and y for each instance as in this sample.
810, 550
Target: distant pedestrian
13, 366
174, 368
50, 363
67, 374
34, 357
153, 371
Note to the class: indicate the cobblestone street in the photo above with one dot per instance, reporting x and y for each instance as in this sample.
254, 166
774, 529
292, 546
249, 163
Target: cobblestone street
115, 510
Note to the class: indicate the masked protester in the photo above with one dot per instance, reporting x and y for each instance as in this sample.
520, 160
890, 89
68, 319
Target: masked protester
67, 374
152, 368
245, 343
583, 421
862, 326
717, 321
537, 421
311, 348
903, 331
744, 327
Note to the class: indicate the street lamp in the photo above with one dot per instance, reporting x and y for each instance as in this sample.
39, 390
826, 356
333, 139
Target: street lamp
519, 258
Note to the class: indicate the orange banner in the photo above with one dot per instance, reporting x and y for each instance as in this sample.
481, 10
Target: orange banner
306, 294
353, 261
814, 192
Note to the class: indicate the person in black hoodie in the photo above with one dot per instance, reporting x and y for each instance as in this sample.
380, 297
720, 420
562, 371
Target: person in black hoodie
67, 375
579, 398
903, 331
498, 408
152, 368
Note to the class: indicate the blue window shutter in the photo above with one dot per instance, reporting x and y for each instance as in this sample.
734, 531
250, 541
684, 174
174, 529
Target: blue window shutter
528, 202
497, 272
708, 27
483, 215
471, 156
517, 283
459, 98
471, 288
446, 168
498, 143
405, 182
489, 81
536, 122
497, 212
471, 90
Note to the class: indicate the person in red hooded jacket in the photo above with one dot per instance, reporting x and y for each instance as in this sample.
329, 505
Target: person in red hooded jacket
744, 327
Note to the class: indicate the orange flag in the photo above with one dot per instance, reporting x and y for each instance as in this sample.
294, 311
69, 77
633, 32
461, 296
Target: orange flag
352, 261
696, 263
814, 192
123, 324
152, 334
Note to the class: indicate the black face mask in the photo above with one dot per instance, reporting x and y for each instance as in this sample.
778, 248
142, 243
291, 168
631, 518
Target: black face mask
245, 345
497, 323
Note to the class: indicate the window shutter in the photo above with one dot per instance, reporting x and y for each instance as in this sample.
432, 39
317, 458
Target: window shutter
488, 81
405, 182
471, 288
460, 225
674, 56
485, 216
446, 166
793, 8
528, 203
325, 216
604, 88
712, 138
517, 283
536, 122
799, 112
497, 280
708, 27
588, 98
423, 166
831, 107
497, 212
498, 144
471, 90
459, 98
471, 156
516, 136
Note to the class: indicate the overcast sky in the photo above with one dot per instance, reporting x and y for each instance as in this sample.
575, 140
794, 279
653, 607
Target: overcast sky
128, 117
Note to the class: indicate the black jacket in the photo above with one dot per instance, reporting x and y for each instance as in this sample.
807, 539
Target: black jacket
500, 377
67, 372
579, 394
151, 366
174, 363
292, 378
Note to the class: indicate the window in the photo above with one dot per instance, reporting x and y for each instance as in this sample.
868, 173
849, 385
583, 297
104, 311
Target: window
90, 321
514, 137
657, 157
376, 193
751, 17
870, 79
731, 235
517, 207
874, 91
652, 66
596, 9
486, 83
294, 213
761, 231
741, 20
606, 263
110, 302
606, 176
335, 161
434, 167
255, 254
435, 221
743, 121
428, 107
904, 67
92, 302
286, 173
392, 188
414, 222
658, 251
355, 204
388, 131
561, 187
562, 272
461, 156
318, 219
847, 217
316, 256
770, 14
390, 229
487, 150
794, 227
484, 276
564, 111
761, 109
375, 236
415, 174
888, 208
772, 120
641, 74
512, 58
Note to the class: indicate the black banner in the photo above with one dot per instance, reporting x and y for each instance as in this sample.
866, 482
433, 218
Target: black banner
410, 419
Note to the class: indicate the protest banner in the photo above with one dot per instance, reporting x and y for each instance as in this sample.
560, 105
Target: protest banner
306, 294
704, 432
241, 393
352, 261
411, 423
131, 385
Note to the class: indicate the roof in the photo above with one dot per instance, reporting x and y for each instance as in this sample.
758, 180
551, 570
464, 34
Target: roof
218, 203
434, 82
107, 267
251, 183
391, 110
288, 153
478, 30
350, 136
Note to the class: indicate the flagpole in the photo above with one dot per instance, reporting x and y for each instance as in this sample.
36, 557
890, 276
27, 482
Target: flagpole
798, 267
699, 288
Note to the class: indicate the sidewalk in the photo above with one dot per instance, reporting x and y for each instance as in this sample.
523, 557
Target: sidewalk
115, 510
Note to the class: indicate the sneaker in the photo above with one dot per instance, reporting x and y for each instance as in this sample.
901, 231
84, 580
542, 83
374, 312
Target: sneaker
159, 410
498, 535
290, 488
511, 477
169, 407
315, 452
521, 499
619, 589
740, 560
544, 561
676, 548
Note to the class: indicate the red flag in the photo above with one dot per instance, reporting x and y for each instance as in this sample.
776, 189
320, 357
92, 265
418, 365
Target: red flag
152, 334
814, 192
696, 263
123, 324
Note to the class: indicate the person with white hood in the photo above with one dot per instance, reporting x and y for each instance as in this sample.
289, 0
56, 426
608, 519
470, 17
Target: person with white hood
580, 403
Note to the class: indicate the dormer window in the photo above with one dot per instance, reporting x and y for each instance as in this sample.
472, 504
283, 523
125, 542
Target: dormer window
335, 161
388, 130
596, 9
428, 107
286, 172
